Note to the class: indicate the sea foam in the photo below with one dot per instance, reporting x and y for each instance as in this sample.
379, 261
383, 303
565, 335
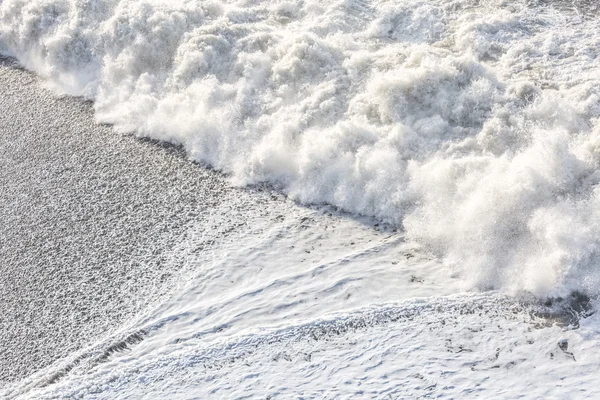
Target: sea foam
474, 125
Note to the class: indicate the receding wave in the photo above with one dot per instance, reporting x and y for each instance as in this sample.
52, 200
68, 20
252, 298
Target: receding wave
472, 124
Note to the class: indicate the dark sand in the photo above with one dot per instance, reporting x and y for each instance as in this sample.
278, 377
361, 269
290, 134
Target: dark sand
88, 219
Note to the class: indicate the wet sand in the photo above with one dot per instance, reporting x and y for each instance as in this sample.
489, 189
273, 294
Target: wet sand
88, 221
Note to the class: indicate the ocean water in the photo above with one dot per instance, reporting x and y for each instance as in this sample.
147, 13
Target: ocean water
470, 124
439, 161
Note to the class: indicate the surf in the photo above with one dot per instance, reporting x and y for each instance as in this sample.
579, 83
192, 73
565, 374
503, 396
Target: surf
472, 126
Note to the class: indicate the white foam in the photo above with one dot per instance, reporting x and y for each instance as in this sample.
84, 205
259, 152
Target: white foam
449, 347
472, 124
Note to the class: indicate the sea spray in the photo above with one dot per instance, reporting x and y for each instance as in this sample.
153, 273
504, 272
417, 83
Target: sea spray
473, 125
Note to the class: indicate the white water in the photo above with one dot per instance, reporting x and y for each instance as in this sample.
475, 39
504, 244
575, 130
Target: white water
321, 307
473, 124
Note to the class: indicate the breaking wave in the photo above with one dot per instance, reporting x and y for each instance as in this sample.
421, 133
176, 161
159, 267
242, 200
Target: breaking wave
472, 124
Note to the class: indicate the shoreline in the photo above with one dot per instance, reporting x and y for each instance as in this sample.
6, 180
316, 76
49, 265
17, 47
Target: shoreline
90, 216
